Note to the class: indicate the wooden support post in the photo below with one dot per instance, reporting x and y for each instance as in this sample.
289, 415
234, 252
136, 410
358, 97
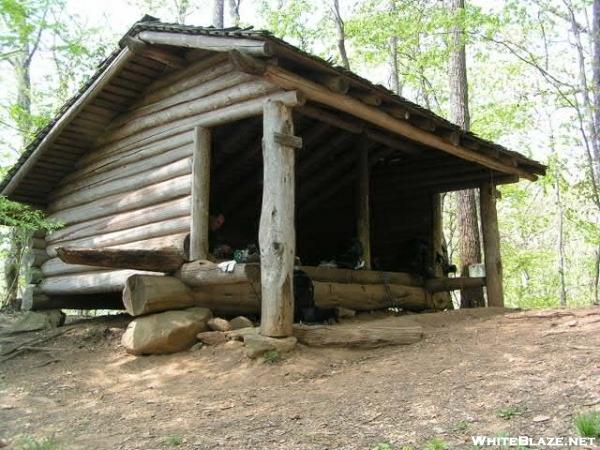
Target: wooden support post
491, 244
363, 227
277, 234
200, 194
437, 234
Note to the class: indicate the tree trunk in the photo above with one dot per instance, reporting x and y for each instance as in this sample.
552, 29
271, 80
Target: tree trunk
341, 34
591, 103
14, 259
395, 72
596, 60
468, 227
218, 13
234, 12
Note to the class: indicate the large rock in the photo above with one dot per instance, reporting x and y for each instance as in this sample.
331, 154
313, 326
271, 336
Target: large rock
166, 332
257, 345
38, 320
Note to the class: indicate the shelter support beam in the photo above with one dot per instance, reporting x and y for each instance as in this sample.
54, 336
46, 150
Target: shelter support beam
277, 234
363, 226
437, 234
199, 229
491, 244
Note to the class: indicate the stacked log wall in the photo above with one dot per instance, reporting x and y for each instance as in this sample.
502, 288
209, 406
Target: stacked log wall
132, 189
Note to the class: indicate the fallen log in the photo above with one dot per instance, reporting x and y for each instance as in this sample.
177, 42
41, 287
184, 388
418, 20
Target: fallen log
145, 294
154, 260
453, 284
357, 336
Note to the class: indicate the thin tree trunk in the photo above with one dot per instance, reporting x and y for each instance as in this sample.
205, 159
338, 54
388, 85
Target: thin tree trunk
394, 69
591, 103
596, 99
596, 60
234, 11
468, 226
341, 34
12, 266
21, 64
218, 13
561, 244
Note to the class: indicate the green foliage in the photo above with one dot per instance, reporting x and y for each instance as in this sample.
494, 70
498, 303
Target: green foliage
383, 446
436, 444
588, 424
293, 20
31, 443
174, 440
461, 426
272, 357
14, 214
510, 412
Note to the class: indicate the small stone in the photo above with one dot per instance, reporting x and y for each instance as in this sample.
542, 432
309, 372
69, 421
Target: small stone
345, 313
218, 324
233, 345
212, 337
196, 347
538, 419
240, 322
238, 335
257, 345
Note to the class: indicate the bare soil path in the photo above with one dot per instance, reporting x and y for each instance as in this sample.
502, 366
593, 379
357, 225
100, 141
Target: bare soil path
484, 372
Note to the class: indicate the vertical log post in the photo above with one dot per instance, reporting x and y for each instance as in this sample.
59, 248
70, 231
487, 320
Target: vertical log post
277, 233
491, 244
199, 228
437, 233
363, 226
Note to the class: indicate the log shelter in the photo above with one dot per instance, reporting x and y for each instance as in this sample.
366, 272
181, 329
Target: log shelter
299, 155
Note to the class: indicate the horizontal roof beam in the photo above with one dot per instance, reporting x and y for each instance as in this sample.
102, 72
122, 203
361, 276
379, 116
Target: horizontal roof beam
320, 94
252, 47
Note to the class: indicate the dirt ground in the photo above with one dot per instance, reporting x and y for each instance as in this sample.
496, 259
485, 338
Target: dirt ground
483, 372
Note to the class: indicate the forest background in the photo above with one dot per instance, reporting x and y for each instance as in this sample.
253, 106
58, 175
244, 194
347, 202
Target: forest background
533, 71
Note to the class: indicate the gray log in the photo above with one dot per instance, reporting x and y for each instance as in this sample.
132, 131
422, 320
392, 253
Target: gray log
213, 43
143, 232
130, 183
148, 196
144, 294
277, 235
200, 230
122, 221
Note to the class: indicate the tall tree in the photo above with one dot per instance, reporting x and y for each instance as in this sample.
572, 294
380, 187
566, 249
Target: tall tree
341, 33
234, 12
394, 66
468, 225
218, 17
24, 24
28, 28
